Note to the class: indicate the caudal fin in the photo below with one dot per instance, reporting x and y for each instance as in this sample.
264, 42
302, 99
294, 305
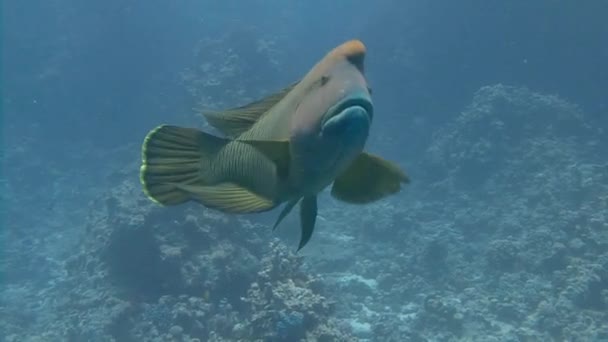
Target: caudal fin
172, 156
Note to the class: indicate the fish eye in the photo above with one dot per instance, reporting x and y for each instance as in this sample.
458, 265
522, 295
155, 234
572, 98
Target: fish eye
324, 80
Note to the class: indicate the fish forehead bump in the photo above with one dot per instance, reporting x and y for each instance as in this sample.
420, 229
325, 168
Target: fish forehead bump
342, 67
352, 50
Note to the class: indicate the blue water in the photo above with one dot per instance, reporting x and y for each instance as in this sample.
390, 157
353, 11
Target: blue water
496, 110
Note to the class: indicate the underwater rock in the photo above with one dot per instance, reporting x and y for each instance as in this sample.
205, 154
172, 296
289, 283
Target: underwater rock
503, 255
150, 251
444, 311
503, 128
181, 273
251, 60
505, 239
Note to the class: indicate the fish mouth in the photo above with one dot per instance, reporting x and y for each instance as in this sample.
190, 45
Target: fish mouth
350, 102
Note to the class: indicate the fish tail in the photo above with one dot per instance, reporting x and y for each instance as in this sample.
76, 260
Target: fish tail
180, 164
171, 158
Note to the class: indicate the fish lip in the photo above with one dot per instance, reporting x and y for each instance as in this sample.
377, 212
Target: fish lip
346, 103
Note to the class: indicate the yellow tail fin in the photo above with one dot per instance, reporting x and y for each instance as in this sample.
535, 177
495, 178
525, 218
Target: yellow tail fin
176, 168
174, 155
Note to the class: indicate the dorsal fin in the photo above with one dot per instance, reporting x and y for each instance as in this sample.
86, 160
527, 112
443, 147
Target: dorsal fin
233, 122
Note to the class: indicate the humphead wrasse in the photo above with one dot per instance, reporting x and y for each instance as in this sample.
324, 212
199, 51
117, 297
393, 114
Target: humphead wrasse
285, 148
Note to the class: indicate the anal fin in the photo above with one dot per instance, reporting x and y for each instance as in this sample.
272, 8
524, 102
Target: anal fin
227, 197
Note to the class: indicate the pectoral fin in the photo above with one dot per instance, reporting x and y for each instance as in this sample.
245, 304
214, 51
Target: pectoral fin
308, 216
275, 150
368, 178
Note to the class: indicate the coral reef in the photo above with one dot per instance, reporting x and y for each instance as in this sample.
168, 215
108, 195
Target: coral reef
173, 274
286, 305
251, 60
503, 238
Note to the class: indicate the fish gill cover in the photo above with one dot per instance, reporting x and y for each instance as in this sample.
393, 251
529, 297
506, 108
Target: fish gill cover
499, 119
